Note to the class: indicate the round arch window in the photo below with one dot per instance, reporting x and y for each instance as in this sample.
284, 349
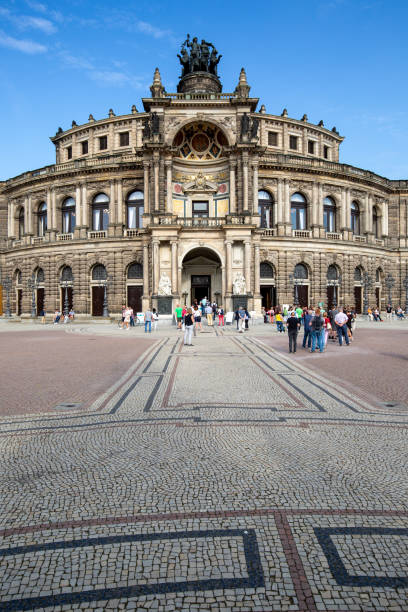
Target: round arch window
298, 211
99, 272
66, 274
42, 219
332, 273
68, 215
200, 141
266, 270
329, 214
301, 271
135, 270
265, 208
100, 212
355, 218
135, 209
40, 275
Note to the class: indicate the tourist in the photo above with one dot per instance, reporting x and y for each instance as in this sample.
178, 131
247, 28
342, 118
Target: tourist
221, 317
377, 315
341, 322
123, 316
247, 317
203, 305
293, 325
155, 318
307, 331
178, 313
148, 315
209, 313
279, 322
57, 316
131, 319
126, 320
327, 327
241, 320
214, 311
370, 314
388, 312
72, 314
188, 327
299, 313
350, 318
236, 317
42, 315
317, 329
197, 319
400, 313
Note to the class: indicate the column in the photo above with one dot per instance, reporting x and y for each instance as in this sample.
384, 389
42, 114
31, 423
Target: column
119, 196
53, 210
223, 284
25, 215
384, 219
112, 203
245, 181
286, 201
314, 205
228, 246
156, 265
146, 186
232, 207
247, 265
11, 219
84, 206
169, 202
145, 270
255, 187
319, 204
279, 202
174, 288
156, 185
257, 286
78, 206
367, 215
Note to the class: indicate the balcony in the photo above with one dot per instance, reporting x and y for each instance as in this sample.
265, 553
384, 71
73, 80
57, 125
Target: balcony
132, 233
268, 232
333, 236
96, 235
201, 221
379, 242
358, 238
301, 233
64, 237
37, 240
17, 243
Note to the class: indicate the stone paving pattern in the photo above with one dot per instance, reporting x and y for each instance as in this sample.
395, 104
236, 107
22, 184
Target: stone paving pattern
224, 476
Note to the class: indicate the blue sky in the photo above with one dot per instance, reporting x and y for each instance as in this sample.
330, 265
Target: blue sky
343, 61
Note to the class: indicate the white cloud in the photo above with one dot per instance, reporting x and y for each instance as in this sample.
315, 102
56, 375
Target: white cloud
151, 30
37, 23
26, 46
75, 61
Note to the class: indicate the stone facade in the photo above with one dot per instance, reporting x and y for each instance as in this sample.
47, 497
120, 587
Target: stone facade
203, 189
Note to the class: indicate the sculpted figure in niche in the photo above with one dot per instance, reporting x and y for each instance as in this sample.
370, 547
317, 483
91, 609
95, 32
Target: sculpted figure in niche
164, 285
238, 286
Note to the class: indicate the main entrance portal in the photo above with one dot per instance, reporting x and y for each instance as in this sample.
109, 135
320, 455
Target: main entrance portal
201, 276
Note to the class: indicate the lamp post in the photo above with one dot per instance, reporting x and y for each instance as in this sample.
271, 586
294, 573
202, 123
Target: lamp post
295, 282
367, 283
65, 284
335, 283
32, 285
7, 287
405, 284
389, 283
105, 283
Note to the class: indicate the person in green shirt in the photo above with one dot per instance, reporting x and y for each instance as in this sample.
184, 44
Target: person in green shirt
178, 311
299, 313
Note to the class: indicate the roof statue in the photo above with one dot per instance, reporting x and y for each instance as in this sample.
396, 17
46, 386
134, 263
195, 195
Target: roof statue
201, 59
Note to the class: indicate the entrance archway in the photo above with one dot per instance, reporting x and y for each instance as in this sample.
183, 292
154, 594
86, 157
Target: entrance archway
201, 276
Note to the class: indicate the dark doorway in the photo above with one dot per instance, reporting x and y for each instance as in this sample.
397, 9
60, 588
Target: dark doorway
378, 298
303, 295
40, 301
19, 302
200, 287
330, 296
97, 301
357, 299
134, 297
268, 293
70, 298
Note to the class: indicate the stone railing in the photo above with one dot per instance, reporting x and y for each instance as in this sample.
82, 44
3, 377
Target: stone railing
358, 238
131, 233
63, 237
200, 96
37, 240
17, 243
201, 221
333, 236
301, 233
268, 232
379, 242
97, 234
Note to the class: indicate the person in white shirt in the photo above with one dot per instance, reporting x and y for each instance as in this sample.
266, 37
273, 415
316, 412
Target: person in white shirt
341, 321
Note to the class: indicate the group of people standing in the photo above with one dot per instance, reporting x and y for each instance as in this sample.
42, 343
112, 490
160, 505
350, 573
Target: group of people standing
190, 319
319, 326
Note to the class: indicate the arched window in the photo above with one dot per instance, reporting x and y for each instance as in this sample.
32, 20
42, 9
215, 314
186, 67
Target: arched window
378, 275
39, 275
68, 216
42, 219
18, 277
99, 272
135, 270
298, 211
329, 214
135, 209
301, 271
266, 270
355, 218
100, 212
332, 273
66, 274
265, 208
21, 224
376, 222
357, 275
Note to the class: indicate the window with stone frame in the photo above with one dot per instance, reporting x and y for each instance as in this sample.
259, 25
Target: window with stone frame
311, 147
376, 223
273, 139
84, 147
293, 143
135, 271
68, 215
298, 214
326, 152
99, 272
103, 143
21, 226
355, 218
265, 208
42, 219
124, 139
329, 214
100, 212
266, 270
135, 210
301, 271
69, 152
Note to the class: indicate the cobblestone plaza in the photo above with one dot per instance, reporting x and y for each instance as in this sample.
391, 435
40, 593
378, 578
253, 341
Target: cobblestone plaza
223, 476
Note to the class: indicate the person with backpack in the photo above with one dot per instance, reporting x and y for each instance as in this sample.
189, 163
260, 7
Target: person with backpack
317, 327
293, 325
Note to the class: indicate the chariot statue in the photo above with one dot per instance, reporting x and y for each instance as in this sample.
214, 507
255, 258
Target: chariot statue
200, 58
